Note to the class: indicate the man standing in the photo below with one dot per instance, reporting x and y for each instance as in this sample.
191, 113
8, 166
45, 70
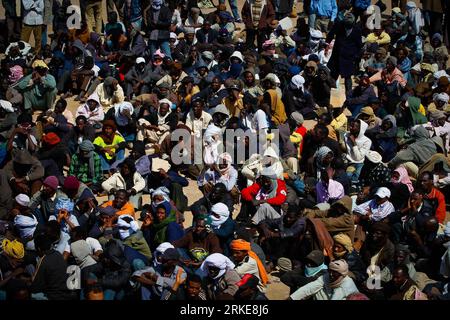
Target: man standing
12, 15
346, 50
322, 14
93, 15
159, 18
33, 18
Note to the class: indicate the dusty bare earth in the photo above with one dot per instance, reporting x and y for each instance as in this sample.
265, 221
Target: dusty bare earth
275, 290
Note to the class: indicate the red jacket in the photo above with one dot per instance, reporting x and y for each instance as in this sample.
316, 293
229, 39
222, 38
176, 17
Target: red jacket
441, 210
249, 193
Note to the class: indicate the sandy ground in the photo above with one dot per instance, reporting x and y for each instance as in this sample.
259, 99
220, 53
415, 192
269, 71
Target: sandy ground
275, 290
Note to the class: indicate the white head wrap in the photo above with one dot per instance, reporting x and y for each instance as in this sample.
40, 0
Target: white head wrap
222, 210
217, 260
132, 226
297, 81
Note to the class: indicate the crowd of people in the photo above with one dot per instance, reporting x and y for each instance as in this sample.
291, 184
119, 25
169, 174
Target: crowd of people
341, 201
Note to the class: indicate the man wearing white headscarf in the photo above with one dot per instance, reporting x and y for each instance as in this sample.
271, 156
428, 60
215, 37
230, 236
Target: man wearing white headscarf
160, 251
415, 16
131, 235
440, 102
158, 128
220, 276
222, 225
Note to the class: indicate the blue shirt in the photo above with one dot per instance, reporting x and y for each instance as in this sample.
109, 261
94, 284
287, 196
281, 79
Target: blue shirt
327, 8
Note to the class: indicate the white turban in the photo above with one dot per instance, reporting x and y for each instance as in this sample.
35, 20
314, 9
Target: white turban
6, 105
441, 97
23, 200
217, 260
132, 226
26, 225
222, 210
297, 81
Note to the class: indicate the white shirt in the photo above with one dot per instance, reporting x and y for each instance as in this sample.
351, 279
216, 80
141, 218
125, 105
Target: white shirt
198, 125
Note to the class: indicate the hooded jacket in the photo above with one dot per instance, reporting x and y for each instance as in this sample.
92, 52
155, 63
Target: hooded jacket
83, 110
36, 169
356, 153
419, 152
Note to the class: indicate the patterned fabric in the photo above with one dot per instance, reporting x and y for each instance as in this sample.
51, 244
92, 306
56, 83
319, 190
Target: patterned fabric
256, 12
378, 176
80, 169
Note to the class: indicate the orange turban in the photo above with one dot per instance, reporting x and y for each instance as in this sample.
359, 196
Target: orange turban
242, 245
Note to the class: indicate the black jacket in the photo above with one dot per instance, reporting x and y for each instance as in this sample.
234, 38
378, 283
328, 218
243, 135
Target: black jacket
51, 277
201, 36
163, 23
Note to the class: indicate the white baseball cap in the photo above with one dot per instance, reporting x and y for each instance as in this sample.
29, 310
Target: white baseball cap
383, 193
140, 60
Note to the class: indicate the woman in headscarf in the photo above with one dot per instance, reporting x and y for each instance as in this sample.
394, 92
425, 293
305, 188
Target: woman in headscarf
247, 262
86, 166
123, 115
410, 112
221, 172
401, 188
221, 278
110, 93
323, 158
222, 225
128, 179
335, 287
109, 145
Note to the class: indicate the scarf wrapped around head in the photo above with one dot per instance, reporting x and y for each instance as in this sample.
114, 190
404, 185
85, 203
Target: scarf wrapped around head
162, 118
341, 267
160, 250
222, 210
321, 154
297, 82
404, 178
126, 229
242, 245
161, 227
88, 146
217, 260
119, 108
107, 85
16, 73
224, 158
13, 248
443, 97
345, 241
26, 225
156, 4
165, 193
